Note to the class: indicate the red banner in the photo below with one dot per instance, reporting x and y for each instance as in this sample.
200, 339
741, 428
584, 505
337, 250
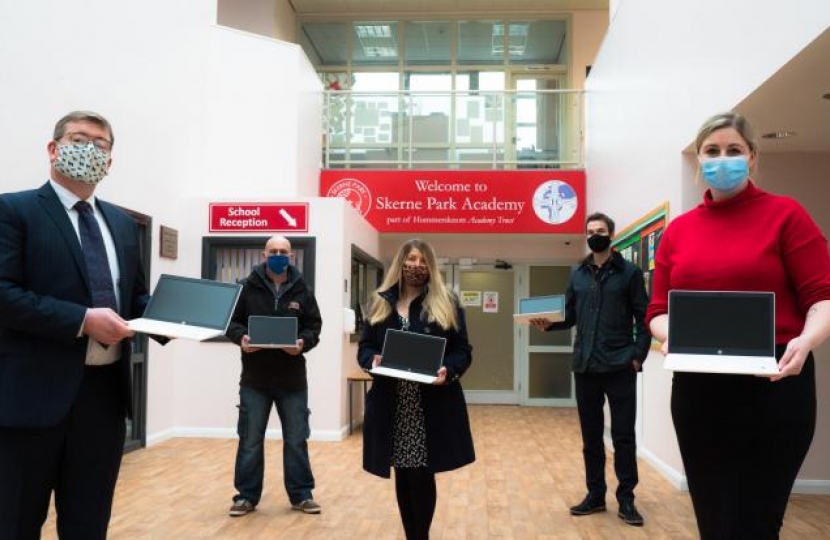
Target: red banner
523, 201
259, 217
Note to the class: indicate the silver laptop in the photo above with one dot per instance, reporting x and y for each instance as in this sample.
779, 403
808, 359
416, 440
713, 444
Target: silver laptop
722, 332
411, 356
188, 308
551, 308
272, 332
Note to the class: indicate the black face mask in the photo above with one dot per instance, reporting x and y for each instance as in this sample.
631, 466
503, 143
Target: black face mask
599, 242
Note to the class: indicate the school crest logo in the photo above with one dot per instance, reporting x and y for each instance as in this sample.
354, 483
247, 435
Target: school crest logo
354, 191
555, 202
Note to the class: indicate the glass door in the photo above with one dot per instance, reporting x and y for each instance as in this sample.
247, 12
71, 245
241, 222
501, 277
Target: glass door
546, 357
538, 117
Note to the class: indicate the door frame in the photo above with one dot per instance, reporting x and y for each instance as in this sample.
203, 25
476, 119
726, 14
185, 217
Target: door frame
137, 436
523, 347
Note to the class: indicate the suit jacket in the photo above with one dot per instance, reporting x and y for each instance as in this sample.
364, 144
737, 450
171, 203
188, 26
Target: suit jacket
44, 295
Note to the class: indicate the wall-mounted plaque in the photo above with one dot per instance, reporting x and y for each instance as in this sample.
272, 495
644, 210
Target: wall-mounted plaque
168, 242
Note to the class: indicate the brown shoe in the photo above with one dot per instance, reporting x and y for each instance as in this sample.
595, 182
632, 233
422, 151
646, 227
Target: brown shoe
308, 506
241, 507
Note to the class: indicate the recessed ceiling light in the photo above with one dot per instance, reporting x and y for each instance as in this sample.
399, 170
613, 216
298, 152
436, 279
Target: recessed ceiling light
778, 135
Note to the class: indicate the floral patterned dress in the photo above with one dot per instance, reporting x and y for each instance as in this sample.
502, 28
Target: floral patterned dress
409, 432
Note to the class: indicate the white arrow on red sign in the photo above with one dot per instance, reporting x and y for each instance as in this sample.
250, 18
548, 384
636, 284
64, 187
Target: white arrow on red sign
290, 220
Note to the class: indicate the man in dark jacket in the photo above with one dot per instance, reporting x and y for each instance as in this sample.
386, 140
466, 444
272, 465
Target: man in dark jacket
274, 376
606, 300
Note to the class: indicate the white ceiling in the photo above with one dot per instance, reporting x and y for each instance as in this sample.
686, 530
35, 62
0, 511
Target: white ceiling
377, 7
791, 100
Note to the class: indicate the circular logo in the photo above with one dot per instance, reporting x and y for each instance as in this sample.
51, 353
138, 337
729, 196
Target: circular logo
555, 202
355, 192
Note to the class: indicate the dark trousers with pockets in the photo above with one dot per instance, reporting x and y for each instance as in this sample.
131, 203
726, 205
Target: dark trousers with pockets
743, 440
78, 459
620, 387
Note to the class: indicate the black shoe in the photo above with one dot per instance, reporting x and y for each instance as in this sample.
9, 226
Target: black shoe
588, 506
628, 513
241, 507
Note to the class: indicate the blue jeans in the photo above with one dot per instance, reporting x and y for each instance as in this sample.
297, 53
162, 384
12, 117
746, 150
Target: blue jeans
254, 410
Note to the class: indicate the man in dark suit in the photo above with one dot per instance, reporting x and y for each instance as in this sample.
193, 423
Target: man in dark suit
69, 277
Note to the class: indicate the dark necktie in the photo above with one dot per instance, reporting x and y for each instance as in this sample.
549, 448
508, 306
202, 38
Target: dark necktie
97, 267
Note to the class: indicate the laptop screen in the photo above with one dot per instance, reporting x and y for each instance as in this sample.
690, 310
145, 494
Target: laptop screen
410, 351
195, 302
542, 304
722, 323
272, 330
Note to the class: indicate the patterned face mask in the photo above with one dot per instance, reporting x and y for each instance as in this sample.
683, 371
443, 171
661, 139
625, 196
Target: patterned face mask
82, 162
414, 275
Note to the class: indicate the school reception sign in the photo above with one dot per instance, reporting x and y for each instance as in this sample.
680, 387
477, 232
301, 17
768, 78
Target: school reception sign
523, 201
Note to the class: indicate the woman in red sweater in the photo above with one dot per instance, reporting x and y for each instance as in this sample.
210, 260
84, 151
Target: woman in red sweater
743, 438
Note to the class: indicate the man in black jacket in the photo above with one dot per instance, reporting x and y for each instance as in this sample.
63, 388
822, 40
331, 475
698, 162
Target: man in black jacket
606, 300
274, 376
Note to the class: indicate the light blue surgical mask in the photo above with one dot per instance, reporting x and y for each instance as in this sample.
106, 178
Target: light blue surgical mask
278, 263
725, 173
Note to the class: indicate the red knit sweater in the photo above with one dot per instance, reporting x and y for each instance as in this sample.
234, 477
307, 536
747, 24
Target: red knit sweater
754, 241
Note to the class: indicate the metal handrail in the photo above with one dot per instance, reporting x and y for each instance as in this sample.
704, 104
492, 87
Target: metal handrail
400, 108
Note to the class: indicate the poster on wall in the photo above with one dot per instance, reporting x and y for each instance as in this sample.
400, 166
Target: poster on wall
490, 302
471, 298
463, 201
639, 241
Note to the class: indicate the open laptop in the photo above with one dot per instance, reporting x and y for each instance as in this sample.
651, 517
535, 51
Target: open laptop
411, 356
272, 332
188, 308
551, 308
722, 332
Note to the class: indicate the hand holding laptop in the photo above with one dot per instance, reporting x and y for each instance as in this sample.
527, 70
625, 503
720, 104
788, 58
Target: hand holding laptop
540, 324
293, 351
105, 326
792, 361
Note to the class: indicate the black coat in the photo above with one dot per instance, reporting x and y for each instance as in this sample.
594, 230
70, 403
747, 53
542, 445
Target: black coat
270, 369
448, 438
609, 310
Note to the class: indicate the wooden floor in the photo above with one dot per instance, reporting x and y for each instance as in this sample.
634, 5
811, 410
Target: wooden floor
529, 471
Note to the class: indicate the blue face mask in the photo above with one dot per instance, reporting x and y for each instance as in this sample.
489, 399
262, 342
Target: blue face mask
278, 263
725, 173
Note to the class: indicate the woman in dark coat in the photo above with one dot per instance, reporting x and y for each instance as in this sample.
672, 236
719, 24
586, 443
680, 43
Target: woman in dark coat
419, 429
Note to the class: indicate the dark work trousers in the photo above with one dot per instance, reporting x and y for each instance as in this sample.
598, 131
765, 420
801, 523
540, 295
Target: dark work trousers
415, 488
78, 458
620, 387
743, 439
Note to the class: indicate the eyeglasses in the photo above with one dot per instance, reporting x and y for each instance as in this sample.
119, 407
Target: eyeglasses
83, 139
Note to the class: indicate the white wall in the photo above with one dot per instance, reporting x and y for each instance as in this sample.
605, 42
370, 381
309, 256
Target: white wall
663, 69
201, 114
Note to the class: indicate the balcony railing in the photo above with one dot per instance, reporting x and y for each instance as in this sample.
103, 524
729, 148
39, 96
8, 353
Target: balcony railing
458, 130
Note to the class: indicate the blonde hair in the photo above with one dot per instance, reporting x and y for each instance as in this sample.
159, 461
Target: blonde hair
727, 120
439, 303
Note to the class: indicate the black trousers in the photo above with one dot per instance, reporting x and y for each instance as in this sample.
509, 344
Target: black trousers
415, 489
620, 387
78, 459
743, 440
